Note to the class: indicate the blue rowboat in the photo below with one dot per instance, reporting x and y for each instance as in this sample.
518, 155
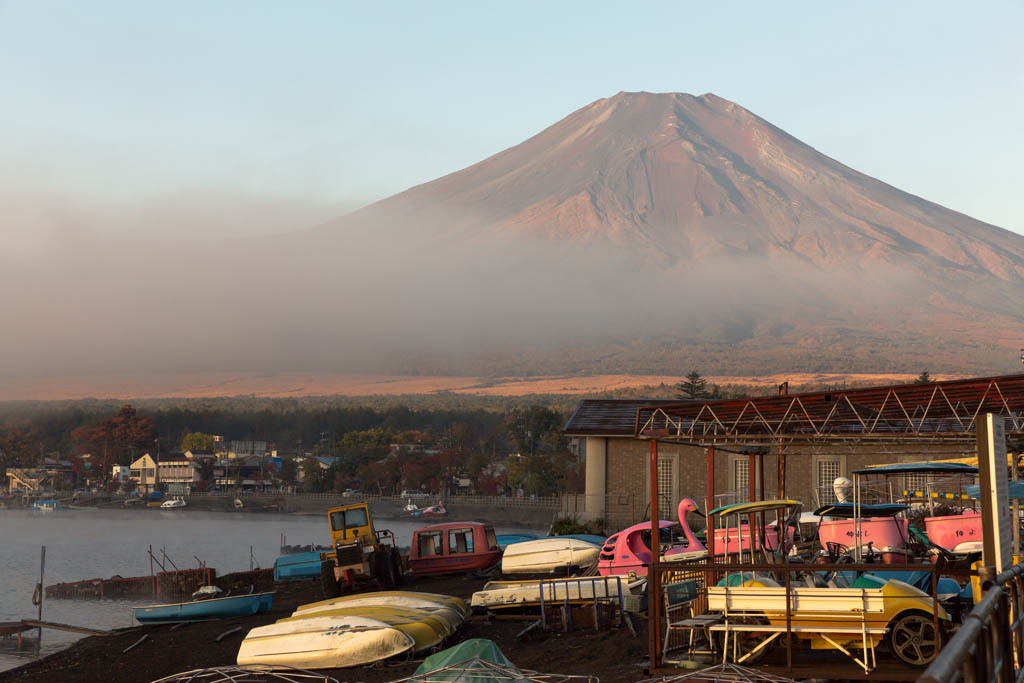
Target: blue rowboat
508, 539
205, 610
297, 566
586, 538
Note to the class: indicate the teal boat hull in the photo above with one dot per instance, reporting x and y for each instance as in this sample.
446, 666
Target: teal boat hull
205, 610
297, 567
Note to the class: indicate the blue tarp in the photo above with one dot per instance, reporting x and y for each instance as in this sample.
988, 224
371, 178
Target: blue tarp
921, 468
1015, 490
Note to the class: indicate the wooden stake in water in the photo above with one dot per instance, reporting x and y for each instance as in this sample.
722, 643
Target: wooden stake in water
42, 590
250, 558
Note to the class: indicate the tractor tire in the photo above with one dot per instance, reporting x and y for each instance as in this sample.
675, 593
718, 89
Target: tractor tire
397, 575
328, 584
382, 570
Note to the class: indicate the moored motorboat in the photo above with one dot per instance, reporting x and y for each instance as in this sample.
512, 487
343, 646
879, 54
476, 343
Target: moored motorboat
549, 556
438, 510
324, 643
173, 503
204, 610
453, 548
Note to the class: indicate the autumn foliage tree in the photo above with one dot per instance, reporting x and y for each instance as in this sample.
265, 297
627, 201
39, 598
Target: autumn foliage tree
19, 445
117, 439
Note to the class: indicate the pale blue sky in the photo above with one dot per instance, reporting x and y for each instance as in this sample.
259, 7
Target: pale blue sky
332, 102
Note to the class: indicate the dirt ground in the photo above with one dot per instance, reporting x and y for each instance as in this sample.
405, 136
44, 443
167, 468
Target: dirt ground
614, 655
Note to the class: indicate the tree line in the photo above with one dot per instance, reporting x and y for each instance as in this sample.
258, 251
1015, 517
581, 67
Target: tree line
520, 448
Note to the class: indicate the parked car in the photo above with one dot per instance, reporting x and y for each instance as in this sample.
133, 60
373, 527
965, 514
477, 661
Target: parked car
415, 493
350, 492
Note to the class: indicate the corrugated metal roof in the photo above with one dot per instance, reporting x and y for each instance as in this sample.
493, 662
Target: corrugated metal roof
608, 416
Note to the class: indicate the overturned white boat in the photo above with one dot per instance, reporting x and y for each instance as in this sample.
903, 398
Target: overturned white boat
555, 555
504, 594
329, 642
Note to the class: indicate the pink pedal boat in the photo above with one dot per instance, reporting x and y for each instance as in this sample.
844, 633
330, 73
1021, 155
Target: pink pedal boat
959, 534
735, 539
627, 552
880, 529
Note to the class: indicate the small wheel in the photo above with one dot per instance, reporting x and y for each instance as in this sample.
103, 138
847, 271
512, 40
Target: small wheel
328, 583
914, 639
382, 570
742, 643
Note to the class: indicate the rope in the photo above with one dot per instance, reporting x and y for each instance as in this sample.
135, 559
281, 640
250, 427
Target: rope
37, 595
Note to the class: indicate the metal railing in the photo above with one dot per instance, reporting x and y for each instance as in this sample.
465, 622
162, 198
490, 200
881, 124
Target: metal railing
989, 647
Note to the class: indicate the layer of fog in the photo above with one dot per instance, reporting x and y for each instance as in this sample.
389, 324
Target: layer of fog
90, 295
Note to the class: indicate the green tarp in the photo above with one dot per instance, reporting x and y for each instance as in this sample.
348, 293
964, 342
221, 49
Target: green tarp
472, 654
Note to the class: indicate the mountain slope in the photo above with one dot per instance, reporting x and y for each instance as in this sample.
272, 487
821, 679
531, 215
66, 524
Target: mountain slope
790, 251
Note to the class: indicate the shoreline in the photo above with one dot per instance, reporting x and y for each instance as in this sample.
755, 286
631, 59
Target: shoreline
496, 510
615, 655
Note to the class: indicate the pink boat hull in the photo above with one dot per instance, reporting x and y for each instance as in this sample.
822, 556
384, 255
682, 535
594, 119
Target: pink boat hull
771, 537
952, 531
885, 534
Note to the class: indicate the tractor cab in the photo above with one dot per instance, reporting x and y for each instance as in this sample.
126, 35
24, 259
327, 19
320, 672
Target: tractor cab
352, 523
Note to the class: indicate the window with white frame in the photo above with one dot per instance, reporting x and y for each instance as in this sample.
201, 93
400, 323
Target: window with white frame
915, 481
740, 483
826, 471
666, 483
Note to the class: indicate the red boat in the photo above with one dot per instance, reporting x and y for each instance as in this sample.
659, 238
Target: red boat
453, 548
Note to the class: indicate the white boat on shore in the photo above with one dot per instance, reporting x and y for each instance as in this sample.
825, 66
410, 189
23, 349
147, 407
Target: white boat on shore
549, 556
323, 643
173, 503
499, 594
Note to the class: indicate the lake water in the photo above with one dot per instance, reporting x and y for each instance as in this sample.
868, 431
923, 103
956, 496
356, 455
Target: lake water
90, 544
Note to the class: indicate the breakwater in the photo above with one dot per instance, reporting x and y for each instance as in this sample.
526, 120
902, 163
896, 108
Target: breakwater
538, 513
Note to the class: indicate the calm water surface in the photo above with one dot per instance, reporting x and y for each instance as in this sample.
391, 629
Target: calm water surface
89, 544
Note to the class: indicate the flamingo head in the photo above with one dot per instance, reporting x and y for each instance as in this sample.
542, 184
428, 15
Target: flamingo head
688, 505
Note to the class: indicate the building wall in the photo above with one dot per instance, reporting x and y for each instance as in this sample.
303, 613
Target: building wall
627, 475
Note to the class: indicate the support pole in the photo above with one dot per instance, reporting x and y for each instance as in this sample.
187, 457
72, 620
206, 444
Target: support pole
751, 478
782, 471
1015, 506
653, 575
42, 589
710, 534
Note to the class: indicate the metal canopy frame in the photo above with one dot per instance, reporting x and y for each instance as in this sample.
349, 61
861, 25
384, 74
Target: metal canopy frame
938, 411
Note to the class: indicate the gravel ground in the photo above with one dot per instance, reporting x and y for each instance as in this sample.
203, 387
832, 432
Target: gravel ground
614, 654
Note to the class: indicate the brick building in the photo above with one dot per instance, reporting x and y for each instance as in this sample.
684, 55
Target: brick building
617, 451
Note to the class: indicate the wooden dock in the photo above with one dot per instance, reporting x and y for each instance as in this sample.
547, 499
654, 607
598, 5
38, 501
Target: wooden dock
35, 623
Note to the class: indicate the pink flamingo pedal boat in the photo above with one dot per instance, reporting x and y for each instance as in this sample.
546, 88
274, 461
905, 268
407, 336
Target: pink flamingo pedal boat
628, 552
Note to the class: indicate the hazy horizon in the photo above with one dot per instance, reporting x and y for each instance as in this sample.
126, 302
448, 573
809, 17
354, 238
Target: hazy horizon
157, 156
